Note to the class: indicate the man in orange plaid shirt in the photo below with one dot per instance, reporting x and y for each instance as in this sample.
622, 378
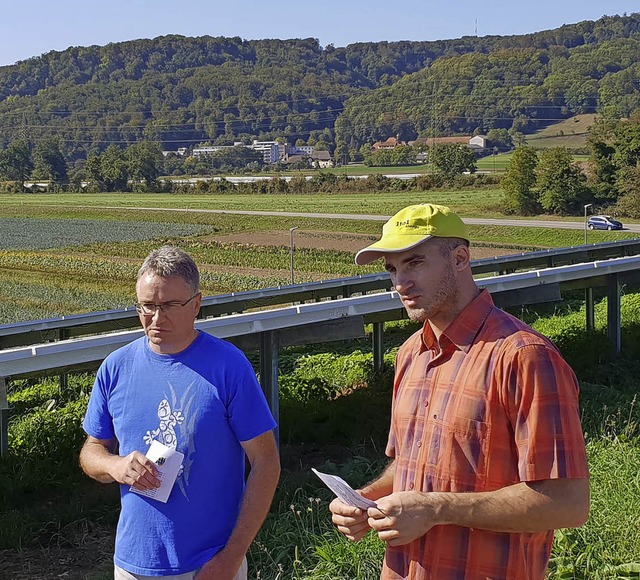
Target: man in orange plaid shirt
487, 451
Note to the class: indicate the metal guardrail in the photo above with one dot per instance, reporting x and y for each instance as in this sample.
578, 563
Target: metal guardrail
270, 324
60, 328
58, 355
32, 332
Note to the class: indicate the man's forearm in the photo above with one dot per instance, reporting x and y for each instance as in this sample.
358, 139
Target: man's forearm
381, 486
521, 508
96, 461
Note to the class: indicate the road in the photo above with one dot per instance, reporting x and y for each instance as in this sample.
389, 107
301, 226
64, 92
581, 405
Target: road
346, 216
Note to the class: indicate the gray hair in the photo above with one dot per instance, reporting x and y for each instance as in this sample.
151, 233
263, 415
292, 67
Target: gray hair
172, 262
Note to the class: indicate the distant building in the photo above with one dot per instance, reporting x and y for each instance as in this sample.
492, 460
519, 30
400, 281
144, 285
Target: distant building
479, 142
270, 150
301, 150
321, 159
181, 151
390, 143
209, 150
291, 159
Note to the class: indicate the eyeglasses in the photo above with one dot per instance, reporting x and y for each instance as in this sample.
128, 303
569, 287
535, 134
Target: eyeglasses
149, 308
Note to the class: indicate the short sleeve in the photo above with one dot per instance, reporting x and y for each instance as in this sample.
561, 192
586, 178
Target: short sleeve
541, 397
249, 413
98, 422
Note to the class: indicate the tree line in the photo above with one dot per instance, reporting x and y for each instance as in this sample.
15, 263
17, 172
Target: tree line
550, 181
179, 91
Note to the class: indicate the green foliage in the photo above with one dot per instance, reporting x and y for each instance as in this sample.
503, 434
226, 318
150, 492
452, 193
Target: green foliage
399, 156
298, 540
16, 163
607, 546
144, 160
518, 183
187, 90
49, 162
114, 171
561, 185
48, 393
583, 350
34, 233
450, 160
50, 432
326, 376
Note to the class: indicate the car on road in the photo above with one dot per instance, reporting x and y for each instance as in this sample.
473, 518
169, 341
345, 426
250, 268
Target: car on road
603, 222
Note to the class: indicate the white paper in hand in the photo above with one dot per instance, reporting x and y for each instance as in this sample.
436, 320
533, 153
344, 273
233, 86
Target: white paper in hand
168, 461
344, 491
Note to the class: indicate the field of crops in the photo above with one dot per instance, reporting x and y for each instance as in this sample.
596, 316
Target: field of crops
66, 254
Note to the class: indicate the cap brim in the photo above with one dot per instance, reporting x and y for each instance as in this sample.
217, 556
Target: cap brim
388, 246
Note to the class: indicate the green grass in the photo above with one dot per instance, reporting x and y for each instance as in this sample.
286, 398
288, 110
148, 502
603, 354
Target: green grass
364, 170
495, 163
571, 133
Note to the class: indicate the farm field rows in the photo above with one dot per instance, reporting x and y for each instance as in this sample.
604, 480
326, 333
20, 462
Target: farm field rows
73, 256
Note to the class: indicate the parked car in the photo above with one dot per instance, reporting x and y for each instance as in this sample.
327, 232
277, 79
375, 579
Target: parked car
604, 222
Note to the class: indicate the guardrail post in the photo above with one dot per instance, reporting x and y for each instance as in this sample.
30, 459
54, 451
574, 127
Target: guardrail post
269, 373
613, 313
63, 379
590, 309
378, 346
4, 418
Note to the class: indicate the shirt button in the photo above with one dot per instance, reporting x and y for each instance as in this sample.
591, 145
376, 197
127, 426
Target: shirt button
426, 403
411, 486
419, 443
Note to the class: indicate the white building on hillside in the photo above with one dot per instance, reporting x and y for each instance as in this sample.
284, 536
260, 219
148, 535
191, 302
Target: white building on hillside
269, 149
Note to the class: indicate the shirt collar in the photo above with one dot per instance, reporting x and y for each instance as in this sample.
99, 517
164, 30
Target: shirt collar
463, 330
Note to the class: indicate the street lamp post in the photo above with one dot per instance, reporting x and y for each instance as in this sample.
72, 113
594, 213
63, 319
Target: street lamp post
586, 229
291, 248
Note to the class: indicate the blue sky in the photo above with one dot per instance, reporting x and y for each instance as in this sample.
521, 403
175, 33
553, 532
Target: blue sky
31, 28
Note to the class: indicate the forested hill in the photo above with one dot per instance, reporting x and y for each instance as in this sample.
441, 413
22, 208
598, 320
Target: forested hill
181, 91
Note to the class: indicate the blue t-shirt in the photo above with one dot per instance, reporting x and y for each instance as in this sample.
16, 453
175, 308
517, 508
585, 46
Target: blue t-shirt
203, 402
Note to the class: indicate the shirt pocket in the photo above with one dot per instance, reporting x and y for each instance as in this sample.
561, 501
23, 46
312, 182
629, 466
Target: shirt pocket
465, 458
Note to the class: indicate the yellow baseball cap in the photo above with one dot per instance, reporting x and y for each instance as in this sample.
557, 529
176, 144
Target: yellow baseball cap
410, 227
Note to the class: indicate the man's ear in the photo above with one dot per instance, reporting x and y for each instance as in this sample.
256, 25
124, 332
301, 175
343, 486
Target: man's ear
462, 257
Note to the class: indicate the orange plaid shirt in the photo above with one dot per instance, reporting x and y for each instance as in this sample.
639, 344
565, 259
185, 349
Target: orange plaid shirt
491, 404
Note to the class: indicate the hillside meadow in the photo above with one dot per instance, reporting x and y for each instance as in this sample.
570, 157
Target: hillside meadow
65, 254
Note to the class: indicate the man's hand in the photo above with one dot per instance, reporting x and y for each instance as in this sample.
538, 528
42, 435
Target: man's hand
351, 521
137, 470
223, 566
404, 516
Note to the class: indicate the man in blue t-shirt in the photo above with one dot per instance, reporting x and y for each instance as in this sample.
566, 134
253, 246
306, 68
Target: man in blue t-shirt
186, 398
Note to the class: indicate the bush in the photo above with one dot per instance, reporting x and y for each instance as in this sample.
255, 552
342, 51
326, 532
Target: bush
583, 350
55, 433
325, 376
428, 181
25, 397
